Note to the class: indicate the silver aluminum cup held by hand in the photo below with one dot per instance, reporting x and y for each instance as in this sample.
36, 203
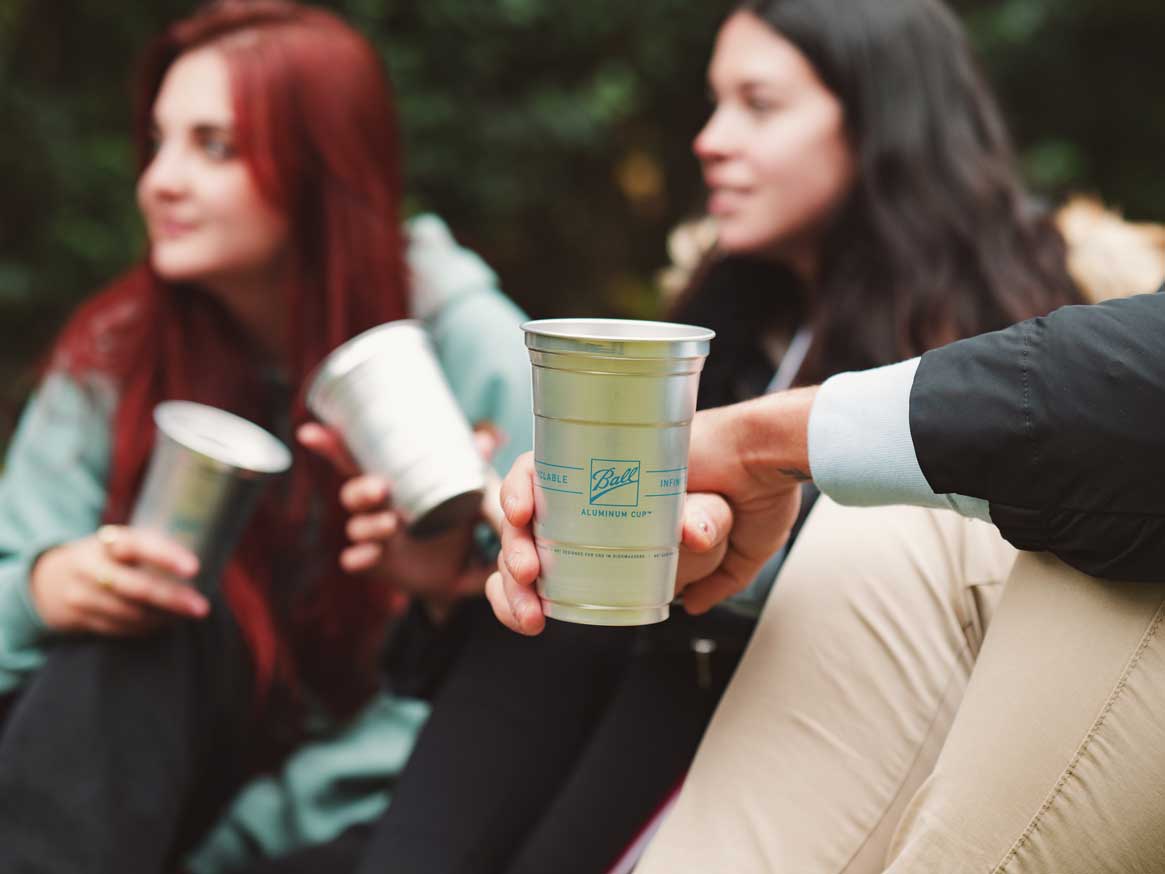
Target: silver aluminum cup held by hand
205, 476
385, 393
613, 405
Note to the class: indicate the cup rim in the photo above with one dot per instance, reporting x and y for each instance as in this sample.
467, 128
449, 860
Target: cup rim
618, 330
348, 356
265, 454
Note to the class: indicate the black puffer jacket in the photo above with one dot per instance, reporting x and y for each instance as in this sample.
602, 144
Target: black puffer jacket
1059, 423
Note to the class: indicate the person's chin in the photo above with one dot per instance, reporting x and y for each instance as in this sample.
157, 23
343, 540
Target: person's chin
735, 240
173, 267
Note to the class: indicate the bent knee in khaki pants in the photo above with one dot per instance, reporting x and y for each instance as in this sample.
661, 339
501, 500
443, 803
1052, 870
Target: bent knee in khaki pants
872, 728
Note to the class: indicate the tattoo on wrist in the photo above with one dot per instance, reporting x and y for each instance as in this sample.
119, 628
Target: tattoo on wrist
795, 473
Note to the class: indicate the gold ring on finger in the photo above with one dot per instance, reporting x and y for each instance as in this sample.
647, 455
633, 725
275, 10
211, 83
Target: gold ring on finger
105, 581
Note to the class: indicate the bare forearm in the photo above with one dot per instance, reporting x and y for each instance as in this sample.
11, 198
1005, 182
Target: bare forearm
770, 436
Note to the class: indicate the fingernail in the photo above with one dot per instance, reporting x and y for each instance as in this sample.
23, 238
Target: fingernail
705, 526
510, 505
522, 613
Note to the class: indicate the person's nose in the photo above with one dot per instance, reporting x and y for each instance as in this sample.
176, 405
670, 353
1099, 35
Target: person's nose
715, 139
166, 177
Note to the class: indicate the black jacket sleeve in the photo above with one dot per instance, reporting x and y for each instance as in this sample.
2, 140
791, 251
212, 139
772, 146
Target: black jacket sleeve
1059, 423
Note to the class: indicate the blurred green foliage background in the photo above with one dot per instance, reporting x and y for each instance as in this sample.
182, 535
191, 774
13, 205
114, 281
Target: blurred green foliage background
552, 136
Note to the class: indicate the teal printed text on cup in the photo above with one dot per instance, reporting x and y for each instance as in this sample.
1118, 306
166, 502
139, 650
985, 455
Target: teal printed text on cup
614, 486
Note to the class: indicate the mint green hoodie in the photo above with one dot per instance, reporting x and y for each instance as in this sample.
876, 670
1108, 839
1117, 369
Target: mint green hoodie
53, 491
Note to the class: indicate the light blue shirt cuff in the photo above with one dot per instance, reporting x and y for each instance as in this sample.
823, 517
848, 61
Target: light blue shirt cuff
20, 623
860, 449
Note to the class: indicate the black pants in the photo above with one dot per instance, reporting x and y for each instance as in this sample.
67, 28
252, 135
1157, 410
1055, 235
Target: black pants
640, 749
120, 753
544, 754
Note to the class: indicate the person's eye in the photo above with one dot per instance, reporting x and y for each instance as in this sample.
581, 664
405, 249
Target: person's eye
760, 106
218, 148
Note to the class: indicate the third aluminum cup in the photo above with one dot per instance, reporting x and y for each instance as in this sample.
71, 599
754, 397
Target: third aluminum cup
206, 474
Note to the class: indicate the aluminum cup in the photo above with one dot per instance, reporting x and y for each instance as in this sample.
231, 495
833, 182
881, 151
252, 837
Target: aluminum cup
205, 476
385, 393
613, 405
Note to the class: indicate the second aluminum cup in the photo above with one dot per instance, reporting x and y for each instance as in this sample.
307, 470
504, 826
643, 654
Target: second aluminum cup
385, 393
205, 476
613, 404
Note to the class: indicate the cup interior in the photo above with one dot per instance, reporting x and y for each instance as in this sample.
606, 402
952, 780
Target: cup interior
222, 436
343, 361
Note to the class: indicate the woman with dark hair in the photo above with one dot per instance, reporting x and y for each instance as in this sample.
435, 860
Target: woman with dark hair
867, 209
137, 705
864, 189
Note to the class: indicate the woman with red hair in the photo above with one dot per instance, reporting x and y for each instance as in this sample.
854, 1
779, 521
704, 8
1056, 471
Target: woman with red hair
136, 704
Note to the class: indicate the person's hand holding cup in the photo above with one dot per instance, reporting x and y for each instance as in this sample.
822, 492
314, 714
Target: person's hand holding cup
119, 581
746, 464
707, 522
439, 568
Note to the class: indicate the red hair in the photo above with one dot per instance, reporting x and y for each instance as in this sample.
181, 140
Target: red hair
315, 124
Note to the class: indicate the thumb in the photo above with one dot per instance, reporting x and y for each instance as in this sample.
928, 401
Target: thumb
329, 445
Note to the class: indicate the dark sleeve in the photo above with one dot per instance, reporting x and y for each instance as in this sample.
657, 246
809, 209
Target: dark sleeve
1059, 423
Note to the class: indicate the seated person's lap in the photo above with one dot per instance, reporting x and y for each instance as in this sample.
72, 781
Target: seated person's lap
856, 714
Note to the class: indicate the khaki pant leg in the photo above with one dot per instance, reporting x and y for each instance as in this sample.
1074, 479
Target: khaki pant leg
843, 698
1056, 761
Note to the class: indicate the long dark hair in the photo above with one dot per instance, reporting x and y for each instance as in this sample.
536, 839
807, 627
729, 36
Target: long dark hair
936, 241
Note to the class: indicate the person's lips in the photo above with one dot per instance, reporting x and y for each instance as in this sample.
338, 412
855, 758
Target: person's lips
722, 201
167, 228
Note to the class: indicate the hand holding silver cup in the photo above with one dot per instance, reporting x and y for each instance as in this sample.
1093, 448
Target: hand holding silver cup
439, 568
746, 464
385, 395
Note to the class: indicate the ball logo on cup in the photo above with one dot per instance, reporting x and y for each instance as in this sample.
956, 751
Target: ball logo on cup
614, 482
